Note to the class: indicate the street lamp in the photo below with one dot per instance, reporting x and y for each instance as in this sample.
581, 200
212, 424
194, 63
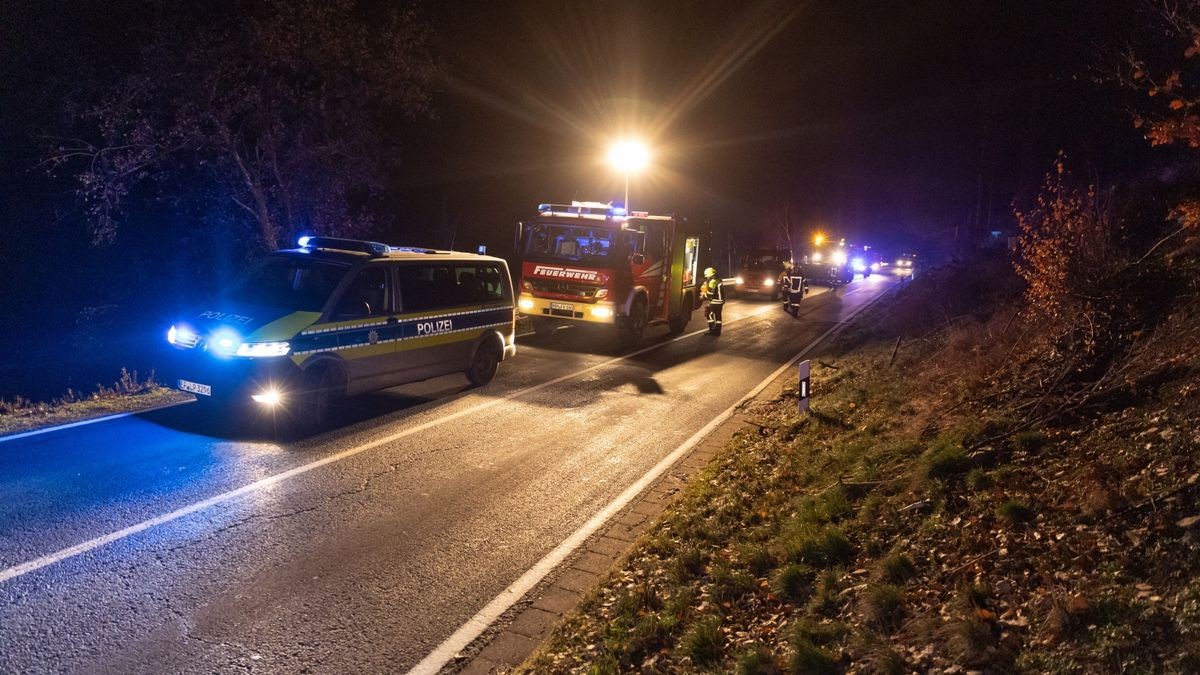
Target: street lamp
628, 157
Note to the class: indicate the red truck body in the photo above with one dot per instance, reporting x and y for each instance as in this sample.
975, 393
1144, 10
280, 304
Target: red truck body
587, 263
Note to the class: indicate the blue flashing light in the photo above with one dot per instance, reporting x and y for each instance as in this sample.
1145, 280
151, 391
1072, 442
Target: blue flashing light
225, 342
858, 265
302, 242
618, 211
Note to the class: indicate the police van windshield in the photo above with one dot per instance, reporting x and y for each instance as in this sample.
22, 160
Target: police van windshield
285, 282
571, 242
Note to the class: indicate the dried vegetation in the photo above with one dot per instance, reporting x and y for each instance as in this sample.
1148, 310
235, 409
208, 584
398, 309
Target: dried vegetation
1014, 487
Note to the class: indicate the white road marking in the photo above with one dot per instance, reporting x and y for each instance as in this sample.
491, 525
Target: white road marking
476, 625
80, 423
97, 542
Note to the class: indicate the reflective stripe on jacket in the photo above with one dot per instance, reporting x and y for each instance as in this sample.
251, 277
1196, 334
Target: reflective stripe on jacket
716, 291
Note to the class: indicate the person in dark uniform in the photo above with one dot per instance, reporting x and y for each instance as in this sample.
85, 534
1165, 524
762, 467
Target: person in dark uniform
714, 292
791, 284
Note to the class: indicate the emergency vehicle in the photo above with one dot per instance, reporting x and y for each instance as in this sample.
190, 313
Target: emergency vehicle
337, 317
592, 264
759, 271
828, 263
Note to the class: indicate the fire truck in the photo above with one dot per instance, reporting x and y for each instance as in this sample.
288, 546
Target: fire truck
592, 264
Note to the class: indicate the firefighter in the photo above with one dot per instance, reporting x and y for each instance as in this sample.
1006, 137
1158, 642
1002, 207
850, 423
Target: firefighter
792, 286
715, 294
784, 283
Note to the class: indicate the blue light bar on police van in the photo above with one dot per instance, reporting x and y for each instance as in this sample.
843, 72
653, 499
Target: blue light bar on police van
339, 244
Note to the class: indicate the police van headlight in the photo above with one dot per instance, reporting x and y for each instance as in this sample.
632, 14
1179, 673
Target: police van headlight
269, 397
263, 349
740, 281
182, 336
768, 282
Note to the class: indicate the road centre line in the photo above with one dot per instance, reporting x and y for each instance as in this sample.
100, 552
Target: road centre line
94, 543
476, 625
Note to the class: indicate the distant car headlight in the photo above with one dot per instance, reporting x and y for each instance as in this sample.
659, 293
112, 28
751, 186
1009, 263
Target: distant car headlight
768, 282
263, 349
875, 266
739, 281
816, 257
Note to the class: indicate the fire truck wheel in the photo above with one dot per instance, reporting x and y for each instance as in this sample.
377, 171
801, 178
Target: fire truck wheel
635, 324
544, 327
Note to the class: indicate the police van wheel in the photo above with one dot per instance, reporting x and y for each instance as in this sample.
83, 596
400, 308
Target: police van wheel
635, 324
483, 364
775, 295
318, 395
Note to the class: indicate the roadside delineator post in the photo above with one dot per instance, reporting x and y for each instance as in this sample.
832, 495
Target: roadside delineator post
805, 367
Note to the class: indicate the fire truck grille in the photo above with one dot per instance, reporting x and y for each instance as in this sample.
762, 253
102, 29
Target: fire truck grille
564, 288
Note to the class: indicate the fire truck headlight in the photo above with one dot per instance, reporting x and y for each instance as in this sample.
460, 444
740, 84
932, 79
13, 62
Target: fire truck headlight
602, 312
526, 284
768, 282
601, 293
839, 258
525, 303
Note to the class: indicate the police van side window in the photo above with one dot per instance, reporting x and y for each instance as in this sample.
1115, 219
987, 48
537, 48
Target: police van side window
425, 287
493, 283
366, 296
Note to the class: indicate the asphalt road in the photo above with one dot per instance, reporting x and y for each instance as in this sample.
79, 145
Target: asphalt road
382, 536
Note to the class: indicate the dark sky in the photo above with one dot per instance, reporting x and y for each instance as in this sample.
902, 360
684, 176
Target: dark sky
879, 120
884, 120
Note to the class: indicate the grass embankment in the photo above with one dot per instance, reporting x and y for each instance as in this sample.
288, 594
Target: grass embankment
957, 504
128, 394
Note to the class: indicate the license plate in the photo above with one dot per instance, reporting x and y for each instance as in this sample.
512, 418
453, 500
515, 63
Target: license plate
563, 306
195, 388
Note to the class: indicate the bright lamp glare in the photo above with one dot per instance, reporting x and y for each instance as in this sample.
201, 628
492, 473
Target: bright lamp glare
839, 258
263, 349
628, 156
816, 256
268, 397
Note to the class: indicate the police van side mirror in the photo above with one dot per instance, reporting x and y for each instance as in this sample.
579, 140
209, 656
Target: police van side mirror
637, 259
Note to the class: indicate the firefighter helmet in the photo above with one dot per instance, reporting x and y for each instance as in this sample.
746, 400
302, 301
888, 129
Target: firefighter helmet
710, 272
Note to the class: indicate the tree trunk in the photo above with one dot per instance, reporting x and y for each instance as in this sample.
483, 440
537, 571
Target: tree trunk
267, 229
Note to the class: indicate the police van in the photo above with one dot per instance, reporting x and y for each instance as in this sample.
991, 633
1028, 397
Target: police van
338, 317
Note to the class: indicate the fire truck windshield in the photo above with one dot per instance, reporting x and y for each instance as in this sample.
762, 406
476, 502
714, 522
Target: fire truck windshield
570, 242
